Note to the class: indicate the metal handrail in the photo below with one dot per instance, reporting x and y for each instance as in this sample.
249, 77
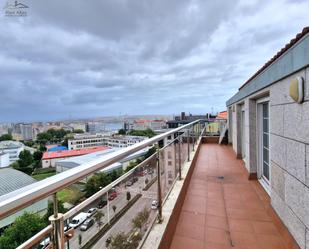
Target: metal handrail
37, 238
26, 196
104, 190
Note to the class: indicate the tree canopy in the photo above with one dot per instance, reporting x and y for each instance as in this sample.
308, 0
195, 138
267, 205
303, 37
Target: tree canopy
50, 210
52, 135
121, 132
100, 180
23, 228
6, 137
25, 159
145, 133
141, 218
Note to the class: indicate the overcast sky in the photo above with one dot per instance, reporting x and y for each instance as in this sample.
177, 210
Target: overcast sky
98, 58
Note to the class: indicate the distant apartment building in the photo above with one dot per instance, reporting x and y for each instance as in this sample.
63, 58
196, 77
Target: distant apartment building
26, 131
95, 127
269, 129
22, 131
144, 124
5, 129
13, 148
184, 119
82, 141
78, 126
50, 158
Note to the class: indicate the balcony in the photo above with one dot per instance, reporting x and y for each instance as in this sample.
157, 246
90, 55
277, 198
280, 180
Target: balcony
197, 195
221, 208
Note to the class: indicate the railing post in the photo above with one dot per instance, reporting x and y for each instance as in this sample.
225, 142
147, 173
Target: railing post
193, 137
108, 215
58, 226
188, 142
179, 157
175, 155
160, 218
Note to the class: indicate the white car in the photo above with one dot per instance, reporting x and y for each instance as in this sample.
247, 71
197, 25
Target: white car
154, 204
78, 220
44, 243
91, 212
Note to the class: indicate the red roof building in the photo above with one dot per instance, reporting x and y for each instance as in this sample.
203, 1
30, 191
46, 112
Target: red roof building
222, 115
50, 158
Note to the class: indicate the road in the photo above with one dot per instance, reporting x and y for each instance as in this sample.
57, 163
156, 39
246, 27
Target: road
124, 224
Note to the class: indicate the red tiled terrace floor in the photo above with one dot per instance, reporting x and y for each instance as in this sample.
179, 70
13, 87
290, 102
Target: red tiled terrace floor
227, 213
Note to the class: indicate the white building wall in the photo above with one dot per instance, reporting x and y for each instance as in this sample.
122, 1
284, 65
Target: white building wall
51, 162
4, 160
289, 152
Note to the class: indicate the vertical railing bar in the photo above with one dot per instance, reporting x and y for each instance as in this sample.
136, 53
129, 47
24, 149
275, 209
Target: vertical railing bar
188, 142
179, 157
159, 186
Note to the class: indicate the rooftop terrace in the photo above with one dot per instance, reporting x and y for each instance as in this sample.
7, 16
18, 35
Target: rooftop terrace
223, 209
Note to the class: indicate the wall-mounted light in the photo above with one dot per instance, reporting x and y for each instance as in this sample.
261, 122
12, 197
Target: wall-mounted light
297, 89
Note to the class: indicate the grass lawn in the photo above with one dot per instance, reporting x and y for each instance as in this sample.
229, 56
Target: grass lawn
42, 176
70, 194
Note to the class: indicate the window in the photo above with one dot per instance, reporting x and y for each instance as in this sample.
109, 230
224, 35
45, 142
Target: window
263, 142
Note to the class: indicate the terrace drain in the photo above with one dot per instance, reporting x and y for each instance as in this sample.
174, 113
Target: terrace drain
220, 177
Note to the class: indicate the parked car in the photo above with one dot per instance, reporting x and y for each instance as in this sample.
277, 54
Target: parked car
87, 224
78, 220
129, 183
44, 243
154, 204
91, 212
102, 204
112, 196
140, 173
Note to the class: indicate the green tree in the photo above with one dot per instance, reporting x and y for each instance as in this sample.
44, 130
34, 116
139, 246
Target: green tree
28, 143
65, 142
141, 218
25, 159
42, 148
115, 174
146, 181
132, 164
97, 181
121, 132
119, 241
78, 131
128, 196
37, 155
50, 210
44, 137
150, 152
97, 217
145, 133
6, 137
24, 227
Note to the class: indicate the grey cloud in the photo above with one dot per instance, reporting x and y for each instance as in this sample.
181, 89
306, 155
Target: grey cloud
79, 58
